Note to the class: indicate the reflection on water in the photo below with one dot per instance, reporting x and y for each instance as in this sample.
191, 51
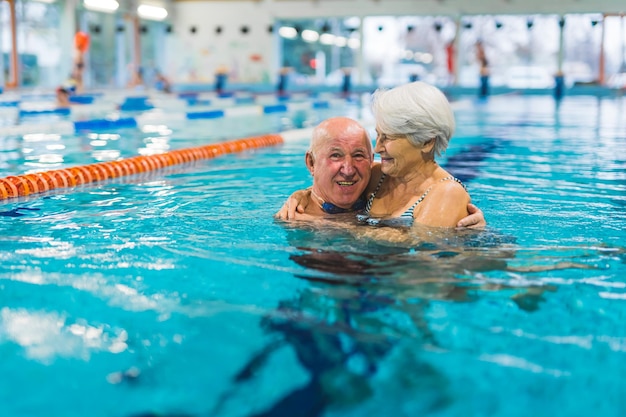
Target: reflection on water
364, 322
176, 293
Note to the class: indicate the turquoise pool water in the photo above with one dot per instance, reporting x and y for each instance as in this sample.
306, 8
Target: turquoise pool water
177, 294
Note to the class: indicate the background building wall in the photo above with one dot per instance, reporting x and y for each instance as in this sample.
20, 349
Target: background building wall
215, 36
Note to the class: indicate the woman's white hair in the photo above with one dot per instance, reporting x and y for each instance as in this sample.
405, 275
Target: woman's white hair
418, 110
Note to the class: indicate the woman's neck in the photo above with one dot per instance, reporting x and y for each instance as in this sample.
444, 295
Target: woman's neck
416, 179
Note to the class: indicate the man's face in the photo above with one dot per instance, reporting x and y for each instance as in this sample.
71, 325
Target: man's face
341, 168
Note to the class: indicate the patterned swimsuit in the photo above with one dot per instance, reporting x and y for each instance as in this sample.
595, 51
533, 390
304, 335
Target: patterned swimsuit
406, 218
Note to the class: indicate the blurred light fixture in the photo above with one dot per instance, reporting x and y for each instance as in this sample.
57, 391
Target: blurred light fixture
327, 39
310, 35
341, 41
146, 11
108, 6
354, 43
288, 32
426, 58
46, 1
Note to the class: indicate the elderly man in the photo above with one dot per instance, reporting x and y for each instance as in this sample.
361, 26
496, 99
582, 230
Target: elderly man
340, 160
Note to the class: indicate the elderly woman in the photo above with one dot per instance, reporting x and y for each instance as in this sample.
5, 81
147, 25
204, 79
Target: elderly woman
414, 122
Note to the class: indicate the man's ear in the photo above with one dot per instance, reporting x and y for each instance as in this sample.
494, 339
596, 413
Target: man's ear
308, 159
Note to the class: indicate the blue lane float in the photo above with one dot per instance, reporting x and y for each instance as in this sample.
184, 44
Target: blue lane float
82, 99
209, 114
245, 100
321, 104
62, 111
187, 95
136, 104
276, 108
105, 124
198, 102
68, 126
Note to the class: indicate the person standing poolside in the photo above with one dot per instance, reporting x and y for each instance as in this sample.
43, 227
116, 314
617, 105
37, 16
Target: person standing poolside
81, 45
340, 160
62, 97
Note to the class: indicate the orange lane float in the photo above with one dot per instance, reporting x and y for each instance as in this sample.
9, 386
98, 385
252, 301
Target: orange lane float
23, 185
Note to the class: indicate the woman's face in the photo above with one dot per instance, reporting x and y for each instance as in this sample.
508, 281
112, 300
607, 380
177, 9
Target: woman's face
398, 156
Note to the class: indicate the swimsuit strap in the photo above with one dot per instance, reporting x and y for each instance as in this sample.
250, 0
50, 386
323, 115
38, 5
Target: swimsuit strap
410, 210
370, 200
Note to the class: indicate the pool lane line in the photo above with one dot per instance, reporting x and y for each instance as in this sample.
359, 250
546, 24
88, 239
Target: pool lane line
156, 116
39, 182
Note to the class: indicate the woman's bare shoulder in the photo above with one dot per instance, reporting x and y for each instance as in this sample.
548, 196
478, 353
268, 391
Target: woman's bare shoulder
450, 191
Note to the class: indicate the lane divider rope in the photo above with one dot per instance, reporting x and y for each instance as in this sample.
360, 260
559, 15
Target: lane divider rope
39, 182
160, 116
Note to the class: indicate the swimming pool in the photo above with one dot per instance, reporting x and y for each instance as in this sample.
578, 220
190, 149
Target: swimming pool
176, 293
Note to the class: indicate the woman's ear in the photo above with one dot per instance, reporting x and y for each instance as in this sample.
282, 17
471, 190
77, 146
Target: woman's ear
308, 159
429, 146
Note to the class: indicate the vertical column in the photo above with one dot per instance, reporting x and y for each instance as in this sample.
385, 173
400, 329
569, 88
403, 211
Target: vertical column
601, 69
456, 53
560, 54
68, 28
360, 61
13, 80
558, 78
1, 54
136, 41
622, 67
121, 71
